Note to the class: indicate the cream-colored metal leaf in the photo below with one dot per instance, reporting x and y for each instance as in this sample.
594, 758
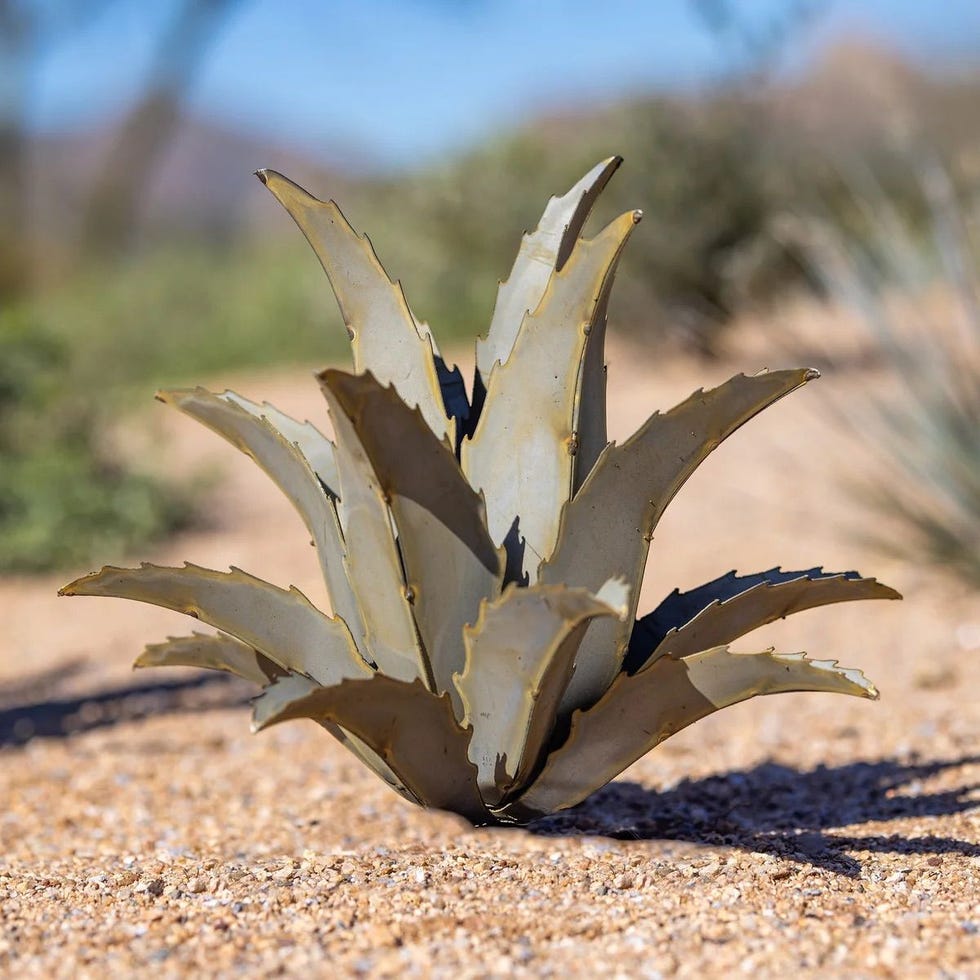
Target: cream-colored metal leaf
247, 427
519, 657
212, 652
541, 253
590, 412
282, 624
450, 563
316, 448
641, 710
522, 452
280, 696
220, 652
384, 333
606, 529
413, 730
374, 562
737, 606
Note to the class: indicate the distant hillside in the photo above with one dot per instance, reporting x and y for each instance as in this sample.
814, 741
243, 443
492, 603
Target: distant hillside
203, 183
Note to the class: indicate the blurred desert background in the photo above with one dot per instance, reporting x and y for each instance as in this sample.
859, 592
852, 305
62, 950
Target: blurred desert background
809, 177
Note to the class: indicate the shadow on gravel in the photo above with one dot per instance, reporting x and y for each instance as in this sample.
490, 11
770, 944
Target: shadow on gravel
778, 810
43, 717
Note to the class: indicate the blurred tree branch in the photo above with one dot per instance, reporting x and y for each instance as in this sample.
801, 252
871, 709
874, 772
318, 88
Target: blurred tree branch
27, 29
759, 43
143, 137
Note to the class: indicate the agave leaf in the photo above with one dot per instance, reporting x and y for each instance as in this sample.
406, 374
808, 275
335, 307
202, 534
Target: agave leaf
522, 451
640, 710
606, 529
411, 729
721, 611
282, 693
211, 652
316, 448
541, 254
248, 428
519, 657
384, 333
282, 624
450, 563
375, 564
221, 652
590, 412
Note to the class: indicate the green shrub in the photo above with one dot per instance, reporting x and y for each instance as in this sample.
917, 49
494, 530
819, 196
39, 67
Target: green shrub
63, 497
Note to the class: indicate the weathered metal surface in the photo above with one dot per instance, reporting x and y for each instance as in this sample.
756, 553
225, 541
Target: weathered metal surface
606, 530
385, 335
541, 254
316, 448
450, 564
496, 705
413, 730
734, 605
249, 429
374, 563
211, 652
640, 710
282, 624
522, 451
590, 409
519, 657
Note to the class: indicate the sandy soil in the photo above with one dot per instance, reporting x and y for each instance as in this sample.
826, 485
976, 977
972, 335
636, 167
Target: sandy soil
144, 829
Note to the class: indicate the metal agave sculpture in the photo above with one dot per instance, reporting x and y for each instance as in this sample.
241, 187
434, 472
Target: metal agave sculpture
483, 557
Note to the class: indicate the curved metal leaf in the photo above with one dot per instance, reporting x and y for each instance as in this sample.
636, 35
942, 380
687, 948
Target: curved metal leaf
210, 652
375, 564
721, 611
413, 730
384, 333
606, 529
450, 563
282, 624
284, 692
590, 412
541, 253
316, 448
519, 657
522, 451
247, 427
641, 710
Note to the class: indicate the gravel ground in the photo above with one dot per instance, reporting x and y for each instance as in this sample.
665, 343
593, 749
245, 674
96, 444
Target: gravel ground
146, 831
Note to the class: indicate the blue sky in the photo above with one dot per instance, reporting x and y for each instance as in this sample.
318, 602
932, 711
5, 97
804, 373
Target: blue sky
404, 80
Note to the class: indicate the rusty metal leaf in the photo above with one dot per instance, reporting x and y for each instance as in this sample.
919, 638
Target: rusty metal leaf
375, 564
519, 657
606, 529
248, 428
385, 335
282, 624
413, 730
541, 253
721, 611
521, 453
640, 710
450, 563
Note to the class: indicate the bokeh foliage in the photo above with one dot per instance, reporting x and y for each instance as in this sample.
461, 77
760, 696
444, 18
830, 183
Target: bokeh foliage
714, 174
